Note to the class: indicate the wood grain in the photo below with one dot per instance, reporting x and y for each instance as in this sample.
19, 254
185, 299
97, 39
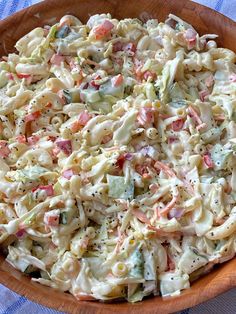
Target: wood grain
48, 12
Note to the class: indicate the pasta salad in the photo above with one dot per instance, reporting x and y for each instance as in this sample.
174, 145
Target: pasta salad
117, 156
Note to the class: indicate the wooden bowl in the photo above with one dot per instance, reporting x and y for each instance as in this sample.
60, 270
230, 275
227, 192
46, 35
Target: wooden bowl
204, 20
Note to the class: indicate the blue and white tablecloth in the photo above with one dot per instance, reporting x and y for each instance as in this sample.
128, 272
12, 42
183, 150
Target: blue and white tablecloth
11, 302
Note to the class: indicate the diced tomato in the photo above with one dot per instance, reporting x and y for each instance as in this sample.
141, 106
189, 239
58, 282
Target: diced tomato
145, 116
203, 94
47, 188
21, 139
65, 146
51, 219
120, 161
103, 29
177, 125
208, 161
68, 173
4, 150
57, 59
33, 139
233, 77
117, 80
32, 116
23, 75
129, 47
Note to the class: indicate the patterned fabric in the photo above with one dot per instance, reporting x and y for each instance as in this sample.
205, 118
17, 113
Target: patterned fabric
12, 303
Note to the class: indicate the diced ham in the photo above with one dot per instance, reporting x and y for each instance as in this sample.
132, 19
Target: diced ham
145, 116
65, 146
129, 47
203, 95
4, 150
48, 189
57, 59
10, 76
21, 139
68, 173
82, 120
148, 74
190, 36
209, 81
33, 139
117, 46
32, 116
106, 138
208, 161
177, 125
51, 219
103, 29
20, 233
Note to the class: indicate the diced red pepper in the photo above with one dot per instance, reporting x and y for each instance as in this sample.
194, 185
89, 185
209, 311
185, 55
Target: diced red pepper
65, 146
32, 116
33, 139
208, 161
117, 80
68, 173
57, 59
48, 189
120, 161
23, 75
177, 125
21, 139
145, 116
4, 150
103, 29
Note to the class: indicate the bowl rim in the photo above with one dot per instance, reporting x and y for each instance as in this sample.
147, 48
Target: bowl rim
22, 285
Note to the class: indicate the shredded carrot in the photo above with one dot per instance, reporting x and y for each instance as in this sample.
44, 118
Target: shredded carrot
167, 170
169, 206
